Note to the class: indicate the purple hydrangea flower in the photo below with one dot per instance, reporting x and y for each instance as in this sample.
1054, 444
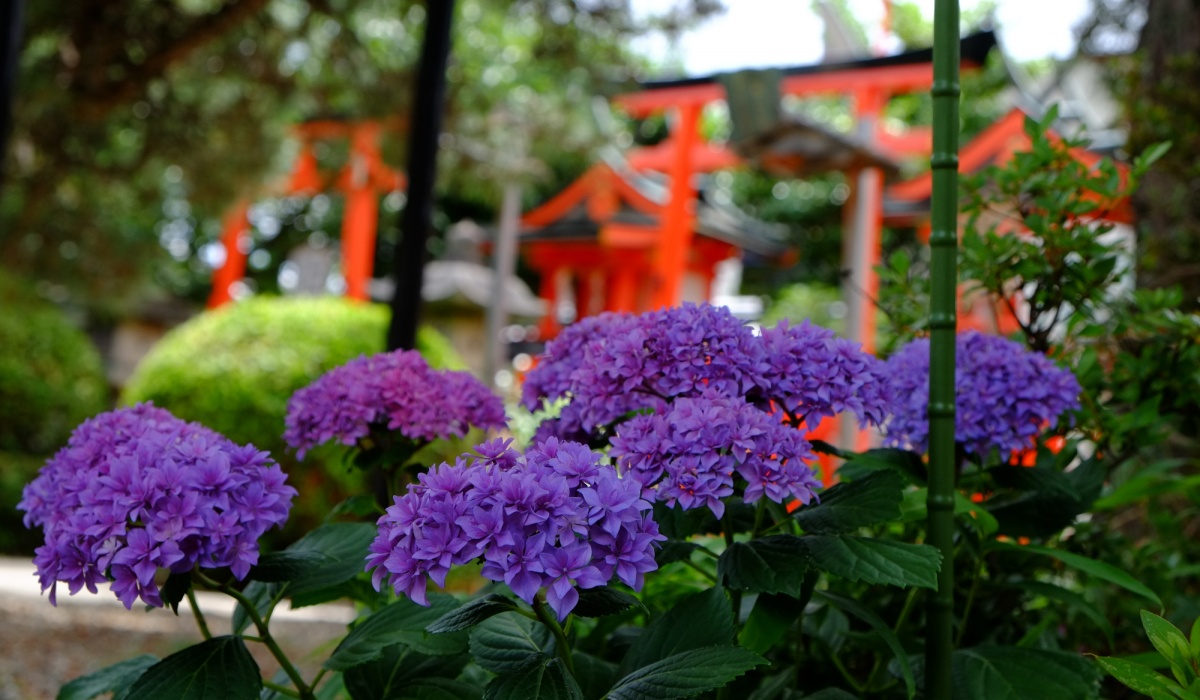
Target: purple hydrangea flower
811, 373
689, 454
614, 365
137, 491
1006, 394
395, 391
555, 518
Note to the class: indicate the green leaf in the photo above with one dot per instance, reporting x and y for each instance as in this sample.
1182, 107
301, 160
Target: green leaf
1095, 568
860, 464
110, 679
175, 589
1148, 157
398, 669
770, 619
1195, 639
220, 667
774, 564
853, 504
471, 614
882, 630
605, 600
675, 550
1013, 673
506, 643
260, 594
1171, 643
914, 509
345, 545
402, 622
540, 679
698, 620
277, 567
594, 675
1137, 677
686, 674
363, 505
1072, 599
875, 561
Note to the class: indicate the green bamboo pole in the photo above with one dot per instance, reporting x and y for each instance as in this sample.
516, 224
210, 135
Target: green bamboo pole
943, 240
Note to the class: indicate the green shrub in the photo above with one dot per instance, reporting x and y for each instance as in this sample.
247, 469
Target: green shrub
233, 369
51, 379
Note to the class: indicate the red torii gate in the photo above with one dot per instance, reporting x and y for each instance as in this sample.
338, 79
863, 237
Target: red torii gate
362, 180
869, 82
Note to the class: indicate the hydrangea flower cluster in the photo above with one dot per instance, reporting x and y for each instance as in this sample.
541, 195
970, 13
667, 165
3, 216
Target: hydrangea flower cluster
811, 373
689, 454
396, 391
1006, 394
138, 490
554, 518
615, 364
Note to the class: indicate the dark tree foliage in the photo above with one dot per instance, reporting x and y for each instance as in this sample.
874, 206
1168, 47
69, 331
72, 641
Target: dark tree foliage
127, 109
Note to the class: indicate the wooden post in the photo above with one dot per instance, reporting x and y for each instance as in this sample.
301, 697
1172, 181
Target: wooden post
234, 268
675, 241
416, 219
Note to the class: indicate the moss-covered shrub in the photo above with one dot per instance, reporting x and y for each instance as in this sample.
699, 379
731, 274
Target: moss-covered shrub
233, 369
51, 379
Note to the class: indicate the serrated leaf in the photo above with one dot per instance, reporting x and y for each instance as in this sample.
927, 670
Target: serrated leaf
260, 594
881, 629
686, 674
175, 589
344, 544
110, 679
698, 620
506, 643
541, 679
220, 667
402, 622
1015, 673
603, 601
277, 567
1171, 643
396, 670
875, 561
850, 505
775, 564
1137, 677
438, 689
471, 614
770, 619
1095, 568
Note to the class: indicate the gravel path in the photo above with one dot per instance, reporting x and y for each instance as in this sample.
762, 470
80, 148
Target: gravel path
42, 647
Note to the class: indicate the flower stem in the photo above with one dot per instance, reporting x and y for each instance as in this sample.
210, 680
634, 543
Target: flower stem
305, 692
191, 596
281, 689
561, 645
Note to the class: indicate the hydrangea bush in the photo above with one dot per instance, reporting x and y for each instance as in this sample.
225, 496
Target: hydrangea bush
679, 456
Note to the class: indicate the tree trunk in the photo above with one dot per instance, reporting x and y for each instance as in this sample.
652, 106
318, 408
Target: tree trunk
1164, 105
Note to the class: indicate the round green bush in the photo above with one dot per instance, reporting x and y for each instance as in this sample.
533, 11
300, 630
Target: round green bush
51, 379
233, 369
51, 376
